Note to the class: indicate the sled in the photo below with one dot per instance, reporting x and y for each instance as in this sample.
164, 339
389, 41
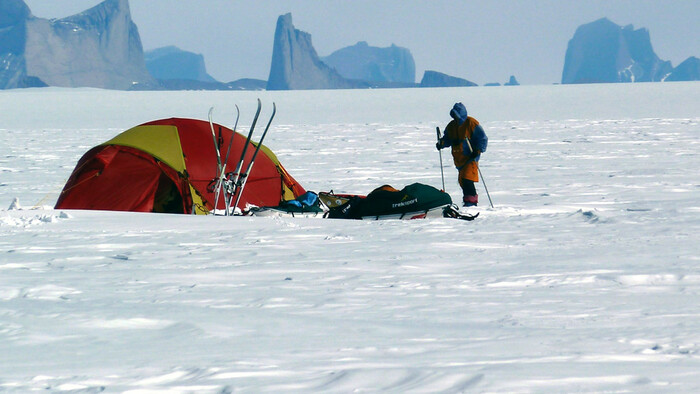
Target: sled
415, 201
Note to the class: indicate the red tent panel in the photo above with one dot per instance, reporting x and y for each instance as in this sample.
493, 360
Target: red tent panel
137, 175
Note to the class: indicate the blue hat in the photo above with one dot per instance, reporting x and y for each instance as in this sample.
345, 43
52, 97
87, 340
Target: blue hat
459, 113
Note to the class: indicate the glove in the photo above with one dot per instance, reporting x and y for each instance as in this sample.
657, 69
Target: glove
439, 145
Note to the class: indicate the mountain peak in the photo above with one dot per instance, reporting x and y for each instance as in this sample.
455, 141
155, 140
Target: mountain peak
295, 63
602, 51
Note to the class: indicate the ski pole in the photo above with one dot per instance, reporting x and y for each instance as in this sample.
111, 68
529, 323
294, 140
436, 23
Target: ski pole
216, 144
484, 182
480, 175
442, 172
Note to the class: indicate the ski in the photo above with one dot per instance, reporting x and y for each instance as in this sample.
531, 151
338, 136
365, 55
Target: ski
255, 154
216, 144
220, 176
239, 166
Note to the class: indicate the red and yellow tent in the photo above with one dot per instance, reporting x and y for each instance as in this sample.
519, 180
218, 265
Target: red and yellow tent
170, 166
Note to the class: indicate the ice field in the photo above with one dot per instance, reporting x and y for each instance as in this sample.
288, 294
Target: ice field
585, 277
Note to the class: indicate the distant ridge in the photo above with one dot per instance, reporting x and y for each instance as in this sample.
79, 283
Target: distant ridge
176, 69
101, 48
689, 70
434, 79
190, 84
172, 62
364, 62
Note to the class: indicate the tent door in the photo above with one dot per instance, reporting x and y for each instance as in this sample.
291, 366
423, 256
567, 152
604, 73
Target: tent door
167, 198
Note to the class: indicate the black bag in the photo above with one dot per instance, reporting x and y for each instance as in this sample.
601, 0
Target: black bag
387, 201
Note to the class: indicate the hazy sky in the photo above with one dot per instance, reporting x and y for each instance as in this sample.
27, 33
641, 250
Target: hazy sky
482, 41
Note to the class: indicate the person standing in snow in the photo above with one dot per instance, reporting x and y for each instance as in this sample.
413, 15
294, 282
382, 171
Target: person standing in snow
468, 141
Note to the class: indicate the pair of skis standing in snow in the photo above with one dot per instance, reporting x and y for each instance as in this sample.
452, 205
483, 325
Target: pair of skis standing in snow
233, 183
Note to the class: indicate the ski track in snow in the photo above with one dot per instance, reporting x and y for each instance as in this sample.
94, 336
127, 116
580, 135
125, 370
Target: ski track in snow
584, 277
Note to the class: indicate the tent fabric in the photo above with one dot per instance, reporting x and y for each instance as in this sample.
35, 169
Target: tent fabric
162, 142
169, 165
136, 173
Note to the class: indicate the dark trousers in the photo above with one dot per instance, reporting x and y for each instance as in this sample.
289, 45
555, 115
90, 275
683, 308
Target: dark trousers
469, 192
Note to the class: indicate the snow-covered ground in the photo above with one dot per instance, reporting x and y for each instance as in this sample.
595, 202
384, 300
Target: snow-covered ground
585, 277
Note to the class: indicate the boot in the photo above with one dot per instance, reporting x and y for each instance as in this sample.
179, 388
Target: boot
470, 201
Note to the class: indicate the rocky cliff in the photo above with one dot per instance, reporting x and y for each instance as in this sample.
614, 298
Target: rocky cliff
176, 69
602, 51
174, 63
296, 65
434, 79
13, 21
689, 70
512, 81
364, 62
100, 48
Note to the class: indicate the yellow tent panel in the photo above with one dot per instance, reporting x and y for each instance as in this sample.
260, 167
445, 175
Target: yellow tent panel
163, 142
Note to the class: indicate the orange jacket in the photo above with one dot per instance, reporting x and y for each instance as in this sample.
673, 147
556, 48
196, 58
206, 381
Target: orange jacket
457, 135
